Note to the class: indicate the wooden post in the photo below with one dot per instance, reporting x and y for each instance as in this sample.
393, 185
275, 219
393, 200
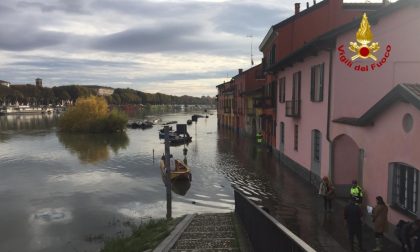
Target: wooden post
168, 174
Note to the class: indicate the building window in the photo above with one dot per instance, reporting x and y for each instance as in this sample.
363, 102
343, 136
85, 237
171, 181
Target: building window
317, 83
273, 55
405, 187
316, 145
296, 86
282, 132
282, 89
296, 137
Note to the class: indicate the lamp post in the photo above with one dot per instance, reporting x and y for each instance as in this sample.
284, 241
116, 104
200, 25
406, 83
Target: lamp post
168, 174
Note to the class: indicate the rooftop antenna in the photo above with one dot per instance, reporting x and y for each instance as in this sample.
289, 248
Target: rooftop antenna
251, 36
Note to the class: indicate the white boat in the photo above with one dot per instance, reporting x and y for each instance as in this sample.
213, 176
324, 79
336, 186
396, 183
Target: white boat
14, 110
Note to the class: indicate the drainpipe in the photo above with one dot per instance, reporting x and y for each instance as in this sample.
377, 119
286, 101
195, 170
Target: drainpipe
330, 161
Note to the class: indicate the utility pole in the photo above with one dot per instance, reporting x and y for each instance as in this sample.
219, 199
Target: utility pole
168, 174
252, 60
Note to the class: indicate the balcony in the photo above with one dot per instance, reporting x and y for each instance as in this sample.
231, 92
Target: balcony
263, 102
293, 108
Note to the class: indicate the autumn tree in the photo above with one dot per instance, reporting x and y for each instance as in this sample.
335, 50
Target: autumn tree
91, 114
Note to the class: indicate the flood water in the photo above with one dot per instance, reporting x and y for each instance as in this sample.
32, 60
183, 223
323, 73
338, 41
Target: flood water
68, 192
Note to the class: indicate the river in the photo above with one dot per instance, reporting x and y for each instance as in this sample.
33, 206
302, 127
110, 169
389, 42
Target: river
66, 192
69, 192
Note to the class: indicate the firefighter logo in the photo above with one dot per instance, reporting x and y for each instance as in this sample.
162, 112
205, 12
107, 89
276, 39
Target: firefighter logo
364, 46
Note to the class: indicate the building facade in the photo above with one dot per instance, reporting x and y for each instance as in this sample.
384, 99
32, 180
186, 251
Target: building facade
336, 112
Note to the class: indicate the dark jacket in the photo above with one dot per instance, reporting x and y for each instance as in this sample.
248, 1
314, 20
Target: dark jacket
353, 215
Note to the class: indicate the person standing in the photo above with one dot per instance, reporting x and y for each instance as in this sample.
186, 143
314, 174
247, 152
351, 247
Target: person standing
356, 192
353, 216
380, 221
326, 191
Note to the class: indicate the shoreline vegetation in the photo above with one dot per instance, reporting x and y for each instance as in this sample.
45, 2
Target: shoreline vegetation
60, 95
144, 237
91, 115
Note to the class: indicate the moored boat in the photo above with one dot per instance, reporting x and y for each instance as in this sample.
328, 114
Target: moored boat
178, 169
180, 139
23, 109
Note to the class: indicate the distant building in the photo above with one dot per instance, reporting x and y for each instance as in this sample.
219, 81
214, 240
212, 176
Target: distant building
38, 82
101, 91
4, 83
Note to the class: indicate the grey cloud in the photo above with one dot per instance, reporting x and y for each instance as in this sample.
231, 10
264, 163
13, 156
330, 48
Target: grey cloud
248, 18
72, 6
164, 38
163, 9
58, 63
19, 38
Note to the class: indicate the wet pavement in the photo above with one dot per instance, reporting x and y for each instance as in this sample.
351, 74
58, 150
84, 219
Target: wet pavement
291, 200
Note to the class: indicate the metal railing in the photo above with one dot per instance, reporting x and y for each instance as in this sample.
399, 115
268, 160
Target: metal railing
266, 233
263, 102
293, 108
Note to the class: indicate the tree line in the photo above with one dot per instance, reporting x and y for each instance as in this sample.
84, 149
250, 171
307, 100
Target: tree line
33, 95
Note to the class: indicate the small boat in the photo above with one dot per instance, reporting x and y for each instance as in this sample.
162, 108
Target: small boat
181, 187
179, 170
140, 125
179, 139
146, 125
162, 133
170, 122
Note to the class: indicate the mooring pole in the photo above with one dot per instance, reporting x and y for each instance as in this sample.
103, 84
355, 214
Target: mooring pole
168, 174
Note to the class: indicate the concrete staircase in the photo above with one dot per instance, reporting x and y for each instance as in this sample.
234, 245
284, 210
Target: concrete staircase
208, 232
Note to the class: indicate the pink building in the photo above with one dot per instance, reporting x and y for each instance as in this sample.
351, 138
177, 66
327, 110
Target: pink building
374, 112
355, 119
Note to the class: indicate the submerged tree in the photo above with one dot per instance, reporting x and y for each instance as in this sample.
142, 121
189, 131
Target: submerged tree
91, 114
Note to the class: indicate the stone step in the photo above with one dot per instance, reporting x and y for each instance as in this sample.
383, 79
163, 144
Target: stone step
205, 243
207, 250
212, 222
203, 235
193, 229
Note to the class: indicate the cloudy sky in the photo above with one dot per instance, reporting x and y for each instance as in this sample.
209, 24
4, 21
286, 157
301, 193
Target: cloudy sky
171, 46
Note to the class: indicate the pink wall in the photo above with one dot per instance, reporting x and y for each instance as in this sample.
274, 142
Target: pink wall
355, 92
313, 114
402, 66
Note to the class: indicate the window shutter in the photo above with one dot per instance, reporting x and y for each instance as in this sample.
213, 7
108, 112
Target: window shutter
321, 84
313, 83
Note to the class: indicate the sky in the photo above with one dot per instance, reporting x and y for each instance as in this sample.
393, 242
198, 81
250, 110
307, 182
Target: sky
178, 47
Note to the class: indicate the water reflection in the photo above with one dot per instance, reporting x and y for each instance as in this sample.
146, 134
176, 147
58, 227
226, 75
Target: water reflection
48, 215
92, 148
27, 122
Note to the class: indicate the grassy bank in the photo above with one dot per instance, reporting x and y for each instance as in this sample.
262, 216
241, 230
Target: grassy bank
146, 236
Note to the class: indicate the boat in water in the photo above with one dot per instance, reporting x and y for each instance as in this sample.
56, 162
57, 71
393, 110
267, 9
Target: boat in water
181, 187
140, 125
179, 139
24, 109
178, 169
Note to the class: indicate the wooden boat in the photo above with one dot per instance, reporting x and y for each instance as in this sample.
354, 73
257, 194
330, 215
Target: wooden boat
179, 170
181, 187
